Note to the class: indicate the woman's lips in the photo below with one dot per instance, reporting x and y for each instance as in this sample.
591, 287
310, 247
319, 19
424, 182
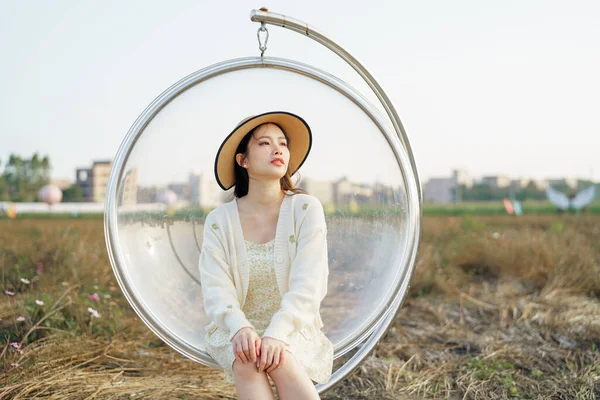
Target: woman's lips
277, 162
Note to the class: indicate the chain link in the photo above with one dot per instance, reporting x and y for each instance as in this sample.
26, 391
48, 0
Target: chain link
262, 47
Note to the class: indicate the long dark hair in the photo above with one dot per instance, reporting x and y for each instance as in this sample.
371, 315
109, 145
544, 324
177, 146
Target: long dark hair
242, 180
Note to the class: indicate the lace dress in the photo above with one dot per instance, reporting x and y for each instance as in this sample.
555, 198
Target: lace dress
314, 354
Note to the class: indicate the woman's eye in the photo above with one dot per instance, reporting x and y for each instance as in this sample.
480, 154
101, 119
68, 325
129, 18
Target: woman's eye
261, 143
284, 144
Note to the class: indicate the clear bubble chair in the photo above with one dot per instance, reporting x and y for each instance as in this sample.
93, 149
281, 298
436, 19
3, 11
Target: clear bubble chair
361, 167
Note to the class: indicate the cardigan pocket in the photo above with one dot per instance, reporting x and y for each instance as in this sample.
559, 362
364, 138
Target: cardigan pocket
210, 328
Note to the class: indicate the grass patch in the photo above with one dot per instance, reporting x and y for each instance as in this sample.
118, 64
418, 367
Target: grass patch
499, 307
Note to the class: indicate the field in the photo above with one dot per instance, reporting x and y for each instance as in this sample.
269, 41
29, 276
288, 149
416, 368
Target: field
497, 208
499, 307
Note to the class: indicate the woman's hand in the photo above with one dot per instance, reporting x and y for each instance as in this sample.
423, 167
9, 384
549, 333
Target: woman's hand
246, 345
271, 354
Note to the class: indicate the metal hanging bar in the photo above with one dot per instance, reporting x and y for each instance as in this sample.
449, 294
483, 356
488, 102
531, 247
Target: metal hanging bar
412, 180
263, 15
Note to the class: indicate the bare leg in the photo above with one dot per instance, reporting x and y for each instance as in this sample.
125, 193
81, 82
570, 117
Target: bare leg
292, 382
249, 383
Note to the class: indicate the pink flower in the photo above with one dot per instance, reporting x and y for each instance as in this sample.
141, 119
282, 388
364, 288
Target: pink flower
8, 292
16, 345
94, 312
21, 318
14, 365
40, 266
112, 288
95, 297
39, 302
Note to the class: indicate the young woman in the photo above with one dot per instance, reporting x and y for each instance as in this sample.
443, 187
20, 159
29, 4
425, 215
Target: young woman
263, 264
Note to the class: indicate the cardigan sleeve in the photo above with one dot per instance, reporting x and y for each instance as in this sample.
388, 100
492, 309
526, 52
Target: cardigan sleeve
308, 277
218, 289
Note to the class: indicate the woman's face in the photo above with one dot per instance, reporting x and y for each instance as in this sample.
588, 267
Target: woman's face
268, 156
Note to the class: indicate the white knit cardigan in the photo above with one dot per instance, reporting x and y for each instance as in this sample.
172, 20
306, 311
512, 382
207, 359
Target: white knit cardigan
301, 267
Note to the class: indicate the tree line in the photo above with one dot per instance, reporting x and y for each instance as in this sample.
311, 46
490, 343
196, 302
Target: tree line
485, 192
21, 179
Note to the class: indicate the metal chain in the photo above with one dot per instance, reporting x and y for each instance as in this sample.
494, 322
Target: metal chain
262, 47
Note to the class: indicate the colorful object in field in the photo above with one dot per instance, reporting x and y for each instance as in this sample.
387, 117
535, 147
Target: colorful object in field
517, 207
354, 208
508, 206
574, 201
9, 209
50, 194
513, 206
329, 209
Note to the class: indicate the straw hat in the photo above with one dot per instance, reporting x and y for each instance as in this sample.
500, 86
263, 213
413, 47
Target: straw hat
295, 128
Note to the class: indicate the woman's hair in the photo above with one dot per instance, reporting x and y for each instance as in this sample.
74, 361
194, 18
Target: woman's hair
241, 174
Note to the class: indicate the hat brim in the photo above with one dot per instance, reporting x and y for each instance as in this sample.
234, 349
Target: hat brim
294, 127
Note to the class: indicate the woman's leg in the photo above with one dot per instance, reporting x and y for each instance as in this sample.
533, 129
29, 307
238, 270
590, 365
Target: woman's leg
249, 383
291, 380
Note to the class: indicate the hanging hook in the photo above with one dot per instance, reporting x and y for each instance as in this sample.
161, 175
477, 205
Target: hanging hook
262, 47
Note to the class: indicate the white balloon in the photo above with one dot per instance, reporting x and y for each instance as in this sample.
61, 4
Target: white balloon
50, 194
167, 197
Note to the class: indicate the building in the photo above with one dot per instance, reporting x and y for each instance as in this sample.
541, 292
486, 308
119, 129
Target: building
147, 194
447, 190
94, 180
345, 192
440, 190
540, 184
520, 183
204, 191
182, 190
463, 177
322, 190
84, 179
129, 188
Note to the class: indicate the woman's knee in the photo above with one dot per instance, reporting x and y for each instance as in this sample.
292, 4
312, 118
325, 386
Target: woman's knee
289, 368
247, 370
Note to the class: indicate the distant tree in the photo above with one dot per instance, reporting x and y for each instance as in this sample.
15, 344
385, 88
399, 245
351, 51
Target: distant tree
563, 187
23, 177
531, 192
73, 194
478, 192
3, 187
46, 169
484, 192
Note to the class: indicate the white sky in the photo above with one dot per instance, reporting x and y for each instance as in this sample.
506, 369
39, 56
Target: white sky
503, 87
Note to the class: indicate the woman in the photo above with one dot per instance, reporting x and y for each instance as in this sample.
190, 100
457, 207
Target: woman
263, 264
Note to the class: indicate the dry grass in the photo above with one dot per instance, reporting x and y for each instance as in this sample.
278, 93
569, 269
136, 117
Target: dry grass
499, 307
